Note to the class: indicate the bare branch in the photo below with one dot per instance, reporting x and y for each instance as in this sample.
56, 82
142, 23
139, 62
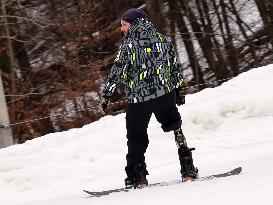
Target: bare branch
13, 38
6, 4
36, 22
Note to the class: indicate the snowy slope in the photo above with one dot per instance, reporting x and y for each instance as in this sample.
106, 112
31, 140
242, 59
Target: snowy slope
230, 126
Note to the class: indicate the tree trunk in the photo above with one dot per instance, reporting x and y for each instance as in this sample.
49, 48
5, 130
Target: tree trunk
187, 40
201, 37
241, 24
210, 37
262, 7
270, 9
231, 51
154, 8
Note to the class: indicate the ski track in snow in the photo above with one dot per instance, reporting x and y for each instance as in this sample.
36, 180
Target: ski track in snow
230, 126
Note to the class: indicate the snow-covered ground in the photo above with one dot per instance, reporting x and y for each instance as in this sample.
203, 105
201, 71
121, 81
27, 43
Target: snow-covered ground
229, 126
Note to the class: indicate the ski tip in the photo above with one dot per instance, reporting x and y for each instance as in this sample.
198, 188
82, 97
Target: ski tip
91, 194
88, 192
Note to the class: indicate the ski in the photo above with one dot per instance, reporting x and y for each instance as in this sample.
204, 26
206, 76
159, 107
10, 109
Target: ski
233, 172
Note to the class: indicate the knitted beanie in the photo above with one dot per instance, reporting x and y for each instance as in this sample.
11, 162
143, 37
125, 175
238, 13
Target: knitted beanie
131, 15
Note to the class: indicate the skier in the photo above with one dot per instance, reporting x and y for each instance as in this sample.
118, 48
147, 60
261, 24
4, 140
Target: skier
147, 65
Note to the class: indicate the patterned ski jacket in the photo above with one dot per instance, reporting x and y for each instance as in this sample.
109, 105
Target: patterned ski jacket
146, 64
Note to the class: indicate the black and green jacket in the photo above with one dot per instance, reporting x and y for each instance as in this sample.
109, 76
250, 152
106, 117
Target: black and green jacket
146, 64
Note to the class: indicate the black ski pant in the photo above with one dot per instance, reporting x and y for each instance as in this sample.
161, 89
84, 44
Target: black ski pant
137, 119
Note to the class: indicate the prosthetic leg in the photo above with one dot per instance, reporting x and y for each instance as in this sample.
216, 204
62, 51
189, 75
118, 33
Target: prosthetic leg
188, 171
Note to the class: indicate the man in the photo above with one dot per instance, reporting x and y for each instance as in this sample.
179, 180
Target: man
147, 65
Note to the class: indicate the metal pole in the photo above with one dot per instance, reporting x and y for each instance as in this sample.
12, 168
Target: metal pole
6, 138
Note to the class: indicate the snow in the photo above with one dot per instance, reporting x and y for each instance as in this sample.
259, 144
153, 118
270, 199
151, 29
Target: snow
97, 33
230, 126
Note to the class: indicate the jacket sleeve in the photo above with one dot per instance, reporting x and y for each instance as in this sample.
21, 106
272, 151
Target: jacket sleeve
176, 69
118, 69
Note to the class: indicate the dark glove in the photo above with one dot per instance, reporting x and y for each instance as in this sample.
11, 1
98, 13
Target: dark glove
104, 103
180, 95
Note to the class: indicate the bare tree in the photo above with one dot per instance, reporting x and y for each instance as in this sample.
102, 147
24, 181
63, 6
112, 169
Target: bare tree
155, 10
188, 42
228, 39
55, 55
265, 8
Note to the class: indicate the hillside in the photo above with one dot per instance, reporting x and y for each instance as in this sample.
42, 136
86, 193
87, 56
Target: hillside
229, 126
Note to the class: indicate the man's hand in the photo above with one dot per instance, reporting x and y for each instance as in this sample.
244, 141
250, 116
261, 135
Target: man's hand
104, 103
180, 95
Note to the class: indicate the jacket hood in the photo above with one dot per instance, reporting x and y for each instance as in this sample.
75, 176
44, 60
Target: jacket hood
141, 29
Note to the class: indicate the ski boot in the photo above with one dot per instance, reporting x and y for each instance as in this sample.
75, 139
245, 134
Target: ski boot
129, 183
136, 177
188, 171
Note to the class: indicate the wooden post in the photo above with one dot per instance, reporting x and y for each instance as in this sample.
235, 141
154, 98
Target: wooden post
6, 138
